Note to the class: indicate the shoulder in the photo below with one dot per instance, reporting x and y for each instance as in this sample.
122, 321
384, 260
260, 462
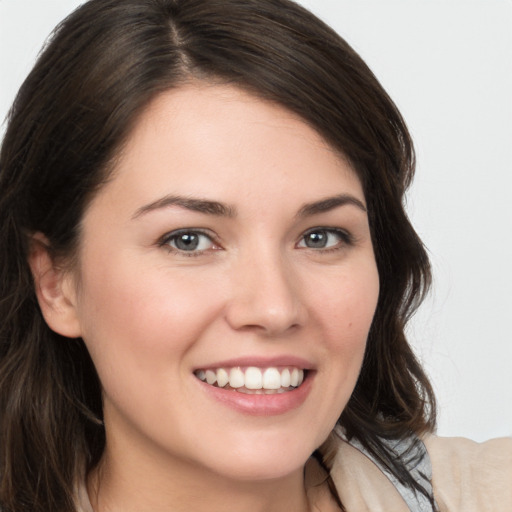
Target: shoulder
360, 482
466, 477
469, 476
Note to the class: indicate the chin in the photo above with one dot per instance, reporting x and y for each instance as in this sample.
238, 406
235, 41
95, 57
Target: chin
261, 460
261, 470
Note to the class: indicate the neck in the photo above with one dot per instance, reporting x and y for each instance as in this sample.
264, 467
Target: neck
142, 485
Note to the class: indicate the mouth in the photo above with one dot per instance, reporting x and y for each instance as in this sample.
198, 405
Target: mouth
253, 380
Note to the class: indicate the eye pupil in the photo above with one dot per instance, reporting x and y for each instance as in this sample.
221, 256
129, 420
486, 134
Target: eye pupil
316, 239
187, 242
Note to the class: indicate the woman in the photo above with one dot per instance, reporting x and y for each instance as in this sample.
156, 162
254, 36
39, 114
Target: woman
207, 271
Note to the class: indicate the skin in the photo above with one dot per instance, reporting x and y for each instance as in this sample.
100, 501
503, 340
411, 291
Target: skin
151, 314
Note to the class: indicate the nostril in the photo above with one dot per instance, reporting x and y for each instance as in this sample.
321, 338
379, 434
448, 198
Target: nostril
264, 319
265, 297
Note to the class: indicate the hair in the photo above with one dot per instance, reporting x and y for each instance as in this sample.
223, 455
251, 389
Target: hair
99, 70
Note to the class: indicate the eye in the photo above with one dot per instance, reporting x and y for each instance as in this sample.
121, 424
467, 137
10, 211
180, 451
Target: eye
324, 238
191, 241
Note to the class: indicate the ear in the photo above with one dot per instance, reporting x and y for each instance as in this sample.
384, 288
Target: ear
55, 289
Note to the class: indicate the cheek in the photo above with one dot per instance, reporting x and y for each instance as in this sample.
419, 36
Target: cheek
346, 304
345, 312
142, 320
140, 333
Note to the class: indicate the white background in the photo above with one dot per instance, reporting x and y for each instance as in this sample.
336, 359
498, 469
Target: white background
448, 66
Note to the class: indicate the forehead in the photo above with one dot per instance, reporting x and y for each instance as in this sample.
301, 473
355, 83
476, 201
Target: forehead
204, 139
200, 110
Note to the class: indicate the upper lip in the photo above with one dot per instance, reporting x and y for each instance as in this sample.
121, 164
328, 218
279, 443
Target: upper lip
260, 362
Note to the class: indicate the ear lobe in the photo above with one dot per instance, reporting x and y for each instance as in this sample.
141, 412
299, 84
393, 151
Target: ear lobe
54, 289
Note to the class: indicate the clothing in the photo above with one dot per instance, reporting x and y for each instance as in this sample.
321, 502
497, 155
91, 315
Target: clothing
466, 477
471, 477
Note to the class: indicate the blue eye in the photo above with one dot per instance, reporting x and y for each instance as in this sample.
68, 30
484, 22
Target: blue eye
189, 241
324, 238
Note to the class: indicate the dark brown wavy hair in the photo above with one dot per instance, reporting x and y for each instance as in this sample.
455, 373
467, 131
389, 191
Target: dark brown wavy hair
100, 68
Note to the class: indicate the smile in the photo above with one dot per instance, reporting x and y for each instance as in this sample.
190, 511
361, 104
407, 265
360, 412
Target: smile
253, 380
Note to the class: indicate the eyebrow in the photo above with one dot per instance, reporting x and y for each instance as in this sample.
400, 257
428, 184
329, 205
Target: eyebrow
329, 203
222, 210
196, 205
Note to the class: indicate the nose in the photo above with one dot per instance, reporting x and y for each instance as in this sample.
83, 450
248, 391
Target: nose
265, 296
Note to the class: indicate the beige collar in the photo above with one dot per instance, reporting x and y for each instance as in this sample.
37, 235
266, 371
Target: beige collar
361, 485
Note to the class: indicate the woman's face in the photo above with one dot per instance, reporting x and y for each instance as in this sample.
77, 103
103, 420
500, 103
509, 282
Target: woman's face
231, 245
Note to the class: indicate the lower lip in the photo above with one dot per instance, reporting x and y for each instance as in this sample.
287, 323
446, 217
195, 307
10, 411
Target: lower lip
261, 405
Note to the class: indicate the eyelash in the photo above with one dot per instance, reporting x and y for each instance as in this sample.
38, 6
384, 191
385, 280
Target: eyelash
174, 235
346, 239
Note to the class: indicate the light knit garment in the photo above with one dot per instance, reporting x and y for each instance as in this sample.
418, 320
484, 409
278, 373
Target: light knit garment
464, 476
415, 458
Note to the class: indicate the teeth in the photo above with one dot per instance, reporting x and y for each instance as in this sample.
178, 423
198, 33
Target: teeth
294, 377
211, 377
254, 380
251, 391
272, 379
285, 378
222, 377
236, 378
